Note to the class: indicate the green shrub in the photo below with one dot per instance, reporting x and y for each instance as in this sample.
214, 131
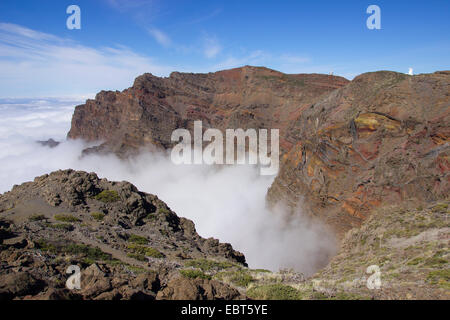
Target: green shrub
436, 261
274, 292
108, 196
163, 211
135, 269
43, 245
440, 208
37, 217
88, 251
206, 265
98, 216
151, 217
66, 218
137, 256
194, 274
261, 270
88, 254
415, 261
241, 278
133, 238
145, 251
440, 278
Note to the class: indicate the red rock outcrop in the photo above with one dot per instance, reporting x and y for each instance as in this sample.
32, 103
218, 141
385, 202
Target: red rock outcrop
247, 97
382, 139
347, 147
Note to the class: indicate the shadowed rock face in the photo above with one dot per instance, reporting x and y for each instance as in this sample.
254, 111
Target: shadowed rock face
382, 139
148, 112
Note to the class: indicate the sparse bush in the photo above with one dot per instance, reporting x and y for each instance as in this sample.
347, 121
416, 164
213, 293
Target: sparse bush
206, 265
133, 238
437, 259
66, 218
37, 217
415, 261
261, 270
145, 251
43, 245
440, 278
194, 274
137, 256
163, 211
440, 208
98, 216
108, 196
274, 292
241, 278
88, 254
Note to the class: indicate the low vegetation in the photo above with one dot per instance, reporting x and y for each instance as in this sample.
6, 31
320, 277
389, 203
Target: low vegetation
241, 278
37, 217
66, 218
85, 253
137, 256
145, 251
207, 265
274, 292
133, 238
108, 196
98, 216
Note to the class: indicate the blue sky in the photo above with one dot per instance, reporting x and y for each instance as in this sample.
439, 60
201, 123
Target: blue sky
121, 39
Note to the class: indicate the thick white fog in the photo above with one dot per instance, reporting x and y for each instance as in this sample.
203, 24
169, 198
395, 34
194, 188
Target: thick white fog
226, 203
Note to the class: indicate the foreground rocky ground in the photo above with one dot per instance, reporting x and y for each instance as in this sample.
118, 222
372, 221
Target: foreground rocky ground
130, 245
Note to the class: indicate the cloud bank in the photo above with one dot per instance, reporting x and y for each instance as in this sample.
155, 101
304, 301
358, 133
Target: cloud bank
227, 203
35, 63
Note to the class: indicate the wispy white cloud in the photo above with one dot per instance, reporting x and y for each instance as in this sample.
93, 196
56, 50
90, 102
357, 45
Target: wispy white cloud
212, 47
33, 63
161, 37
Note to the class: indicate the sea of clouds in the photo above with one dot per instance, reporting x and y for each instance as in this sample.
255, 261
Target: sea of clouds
227, 203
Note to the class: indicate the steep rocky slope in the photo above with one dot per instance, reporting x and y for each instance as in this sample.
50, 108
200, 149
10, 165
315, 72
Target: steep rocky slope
148, 112
408, 242
382, 139
128, 244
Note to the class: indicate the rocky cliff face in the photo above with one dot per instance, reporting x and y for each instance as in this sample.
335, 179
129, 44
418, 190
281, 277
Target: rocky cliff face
347, 147
148, 112
128, 244
382, 139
